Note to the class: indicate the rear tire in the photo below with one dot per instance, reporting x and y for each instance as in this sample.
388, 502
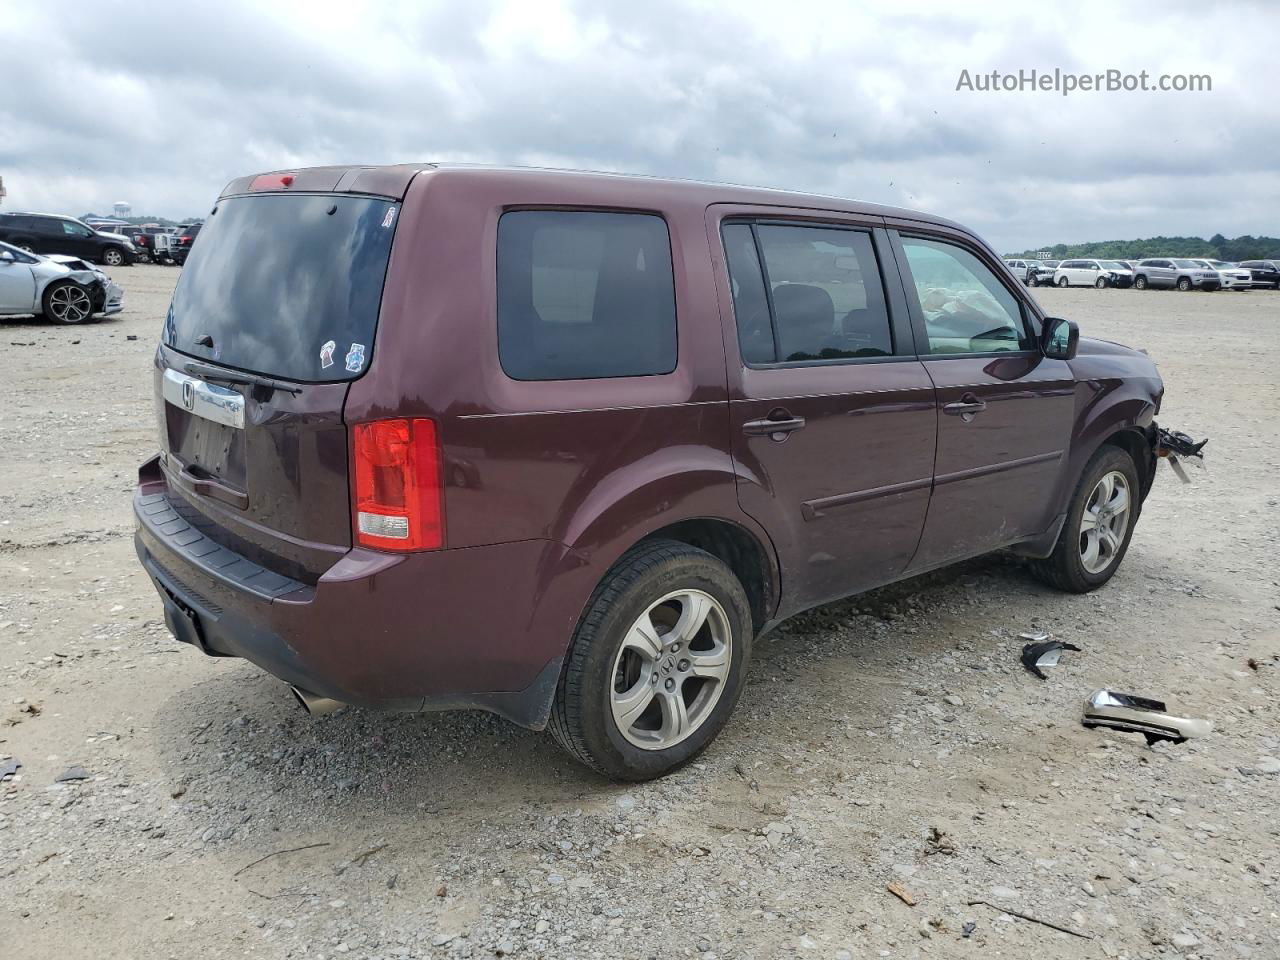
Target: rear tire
611, 648
1071, 567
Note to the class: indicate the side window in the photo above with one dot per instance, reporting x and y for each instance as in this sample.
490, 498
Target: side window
750, 302
826, 293
584, 295
966, 309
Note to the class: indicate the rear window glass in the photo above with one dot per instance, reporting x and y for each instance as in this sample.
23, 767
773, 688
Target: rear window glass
285, 285
825, 289
585, 295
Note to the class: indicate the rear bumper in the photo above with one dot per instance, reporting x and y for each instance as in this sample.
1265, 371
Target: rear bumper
451, 629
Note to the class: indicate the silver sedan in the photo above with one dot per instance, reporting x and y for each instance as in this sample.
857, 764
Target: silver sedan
62, 289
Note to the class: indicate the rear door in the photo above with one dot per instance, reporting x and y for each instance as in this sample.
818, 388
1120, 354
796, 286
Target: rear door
48, 235
1005, 409
832, 416
282, 291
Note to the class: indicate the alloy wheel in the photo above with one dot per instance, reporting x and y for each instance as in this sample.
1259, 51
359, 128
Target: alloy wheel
70, 304
671, 669
1104, 522
113, 258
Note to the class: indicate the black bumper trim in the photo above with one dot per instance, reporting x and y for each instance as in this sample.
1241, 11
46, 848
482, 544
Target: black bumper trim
179, 533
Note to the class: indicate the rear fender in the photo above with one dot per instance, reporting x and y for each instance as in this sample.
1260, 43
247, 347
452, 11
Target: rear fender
619, 510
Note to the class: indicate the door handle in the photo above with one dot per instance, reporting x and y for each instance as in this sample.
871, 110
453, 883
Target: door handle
967, 407
778, 426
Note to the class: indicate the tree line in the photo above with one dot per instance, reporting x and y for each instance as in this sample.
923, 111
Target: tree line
1216, 247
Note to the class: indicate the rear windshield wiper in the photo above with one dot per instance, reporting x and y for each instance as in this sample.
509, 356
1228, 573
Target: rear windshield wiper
222, 375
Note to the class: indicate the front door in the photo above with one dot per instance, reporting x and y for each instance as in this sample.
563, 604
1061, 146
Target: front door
17, 285
1005, 410
832, 416
79, 241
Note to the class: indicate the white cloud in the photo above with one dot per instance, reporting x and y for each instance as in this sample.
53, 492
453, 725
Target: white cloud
164, 108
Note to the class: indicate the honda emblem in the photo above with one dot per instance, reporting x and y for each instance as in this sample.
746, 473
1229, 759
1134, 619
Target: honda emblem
189, 394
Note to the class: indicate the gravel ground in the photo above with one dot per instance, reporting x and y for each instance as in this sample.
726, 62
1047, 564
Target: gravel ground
889, 739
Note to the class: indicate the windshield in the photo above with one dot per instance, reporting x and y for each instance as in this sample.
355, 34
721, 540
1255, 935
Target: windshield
1113, 265
1187, 264
285, 285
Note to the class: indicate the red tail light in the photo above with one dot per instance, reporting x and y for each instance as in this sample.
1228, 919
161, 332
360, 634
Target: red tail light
398, 500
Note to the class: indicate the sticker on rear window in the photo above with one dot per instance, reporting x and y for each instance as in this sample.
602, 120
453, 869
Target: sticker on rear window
355, 358
391, 215
326, 354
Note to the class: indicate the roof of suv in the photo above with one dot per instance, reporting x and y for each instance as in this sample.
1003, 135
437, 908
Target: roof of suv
34, 213
393, 181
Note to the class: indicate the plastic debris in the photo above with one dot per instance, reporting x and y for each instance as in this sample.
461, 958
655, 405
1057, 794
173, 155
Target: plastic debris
1126, 711
1042, 652
1175, 447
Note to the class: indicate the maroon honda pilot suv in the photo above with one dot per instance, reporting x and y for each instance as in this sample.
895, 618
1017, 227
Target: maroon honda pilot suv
560, 445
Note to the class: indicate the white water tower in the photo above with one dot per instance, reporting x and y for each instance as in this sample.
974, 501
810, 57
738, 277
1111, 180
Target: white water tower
121, 208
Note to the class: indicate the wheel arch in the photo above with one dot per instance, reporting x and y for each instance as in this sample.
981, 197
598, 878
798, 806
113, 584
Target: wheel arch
1136, 442
737, 548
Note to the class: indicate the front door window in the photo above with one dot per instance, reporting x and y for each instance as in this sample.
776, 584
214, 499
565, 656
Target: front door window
966, 308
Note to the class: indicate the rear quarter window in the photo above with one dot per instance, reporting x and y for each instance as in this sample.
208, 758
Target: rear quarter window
585, 295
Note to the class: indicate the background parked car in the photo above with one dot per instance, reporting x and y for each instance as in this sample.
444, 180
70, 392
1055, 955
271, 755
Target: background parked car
1024, 270
1266, 273
1231, 275
180, 243
1180, 273
1044, 274
1092, 273
61, 288
144, 238
47, 233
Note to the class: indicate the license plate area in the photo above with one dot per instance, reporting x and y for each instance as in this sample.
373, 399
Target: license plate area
205, 427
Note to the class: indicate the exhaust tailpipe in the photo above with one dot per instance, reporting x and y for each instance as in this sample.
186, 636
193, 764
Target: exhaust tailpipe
315, 705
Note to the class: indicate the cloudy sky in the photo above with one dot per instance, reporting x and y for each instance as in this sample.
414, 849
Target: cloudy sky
162, 104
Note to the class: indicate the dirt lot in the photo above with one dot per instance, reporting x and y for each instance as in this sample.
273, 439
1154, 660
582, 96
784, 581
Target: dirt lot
892, 738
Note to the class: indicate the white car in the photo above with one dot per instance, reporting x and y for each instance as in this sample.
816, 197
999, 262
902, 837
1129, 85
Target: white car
1234, 276
1024, 270
1093, 273
61, 288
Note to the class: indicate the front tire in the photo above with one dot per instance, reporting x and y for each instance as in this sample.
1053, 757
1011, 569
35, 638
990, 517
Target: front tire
656, 664
1140, 283
66, 302
113, 256
1100, 519
1063, 282
1101, 283
1184, 284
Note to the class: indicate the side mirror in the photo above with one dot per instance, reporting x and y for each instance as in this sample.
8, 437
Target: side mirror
1059, 338
7, 257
